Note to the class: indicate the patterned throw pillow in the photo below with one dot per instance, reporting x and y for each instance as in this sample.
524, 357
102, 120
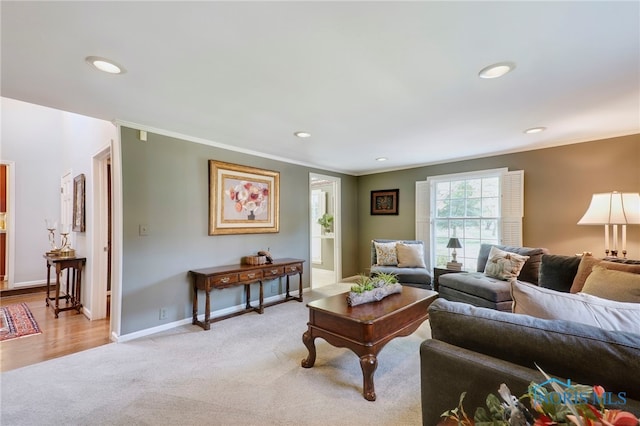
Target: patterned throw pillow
504, 265
386, 254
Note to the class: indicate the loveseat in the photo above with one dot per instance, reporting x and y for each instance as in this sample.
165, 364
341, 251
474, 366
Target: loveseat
480, 289
476, 349
406, 261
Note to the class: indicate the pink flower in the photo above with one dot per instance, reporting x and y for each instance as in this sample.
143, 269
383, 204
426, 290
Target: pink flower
598, 390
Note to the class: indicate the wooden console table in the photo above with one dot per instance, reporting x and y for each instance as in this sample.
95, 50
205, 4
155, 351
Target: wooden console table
74, 267
220, 277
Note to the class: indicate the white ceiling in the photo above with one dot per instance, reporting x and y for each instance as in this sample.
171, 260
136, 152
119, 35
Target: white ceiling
366, 79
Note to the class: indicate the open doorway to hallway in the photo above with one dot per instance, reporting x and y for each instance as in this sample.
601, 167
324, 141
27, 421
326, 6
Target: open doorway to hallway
326, 267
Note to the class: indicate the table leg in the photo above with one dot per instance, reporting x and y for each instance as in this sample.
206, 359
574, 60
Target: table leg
207, 311
78, 290
300, 287
194, 321
309, 341
369, 364
261, 306
57, 303
287, 296
48, 283
247, 291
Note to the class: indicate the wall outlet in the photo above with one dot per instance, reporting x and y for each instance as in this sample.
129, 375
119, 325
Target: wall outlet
163, 313
143, 230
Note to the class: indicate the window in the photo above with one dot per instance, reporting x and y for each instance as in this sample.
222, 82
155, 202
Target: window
483, 207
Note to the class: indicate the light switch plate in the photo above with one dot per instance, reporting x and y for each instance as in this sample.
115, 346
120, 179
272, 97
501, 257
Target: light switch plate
143, 230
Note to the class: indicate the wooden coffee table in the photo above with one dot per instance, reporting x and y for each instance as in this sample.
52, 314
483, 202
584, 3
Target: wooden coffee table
367, 328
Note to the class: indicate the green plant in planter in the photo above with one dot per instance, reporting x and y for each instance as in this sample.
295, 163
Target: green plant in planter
384, 278
366, 283
326, 221
363, 283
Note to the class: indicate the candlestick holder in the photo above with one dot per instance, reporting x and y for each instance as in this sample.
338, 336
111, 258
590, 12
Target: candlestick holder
51, 227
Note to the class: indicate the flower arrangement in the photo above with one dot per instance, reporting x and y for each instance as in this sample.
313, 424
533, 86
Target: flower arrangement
249, 197
570, 405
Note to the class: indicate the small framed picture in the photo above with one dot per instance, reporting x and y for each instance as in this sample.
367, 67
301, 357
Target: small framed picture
78, 204
384, 201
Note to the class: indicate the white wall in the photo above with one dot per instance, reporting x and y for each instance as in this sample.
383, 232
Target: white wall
45, 143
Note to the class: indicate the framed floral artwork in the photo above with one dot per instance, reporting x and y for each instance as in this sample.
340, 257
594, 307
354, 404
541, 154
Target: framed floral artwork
243, 200
78, 203
384, 201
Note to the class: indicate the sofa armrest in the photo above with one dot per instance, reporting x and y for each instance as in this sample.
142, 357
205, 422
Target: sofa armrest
447, 370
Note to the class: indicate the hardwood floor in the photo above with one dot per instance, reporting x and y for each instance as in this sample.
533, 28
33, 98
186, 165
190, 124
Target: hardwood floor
71, 332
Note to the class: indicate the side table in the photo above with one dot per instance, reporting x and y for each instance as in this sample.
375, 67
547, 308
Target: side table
441, 271
73, 293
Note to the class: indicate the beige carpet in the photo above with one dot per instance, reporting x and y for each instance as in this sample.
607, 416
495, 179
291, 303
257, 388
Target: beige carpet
244, 371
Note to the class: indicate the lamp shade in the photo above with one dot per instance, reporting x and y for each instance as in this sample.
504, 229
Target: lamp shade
612, 208
454, 243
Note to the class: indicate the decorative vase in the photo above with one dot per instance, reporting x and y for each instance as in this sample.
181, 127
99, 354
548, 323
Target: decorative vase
375, 295
251, 216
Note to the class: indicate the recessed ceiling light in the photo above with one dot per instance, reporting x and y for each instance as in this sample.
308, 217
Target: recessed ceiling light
535, 130
381, 159
496, 70
303, 134
105, 65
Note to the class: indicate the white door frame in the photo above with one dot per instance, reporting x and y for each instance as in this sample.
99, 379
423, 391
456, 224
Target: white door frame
337, 224
101, 226
10, 221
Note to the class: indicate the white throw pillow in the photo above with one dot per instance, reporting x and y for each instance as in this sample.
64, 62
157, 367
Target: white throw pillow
386, 254
410, 255
504, 265
545, 303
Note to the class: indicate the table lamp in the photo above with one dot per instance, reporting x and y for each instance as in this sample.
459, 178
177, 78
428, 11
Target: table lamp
454, 243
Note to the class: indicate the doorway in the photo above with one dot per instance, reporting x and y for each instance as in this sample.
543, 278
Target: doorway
101, 249
326, 266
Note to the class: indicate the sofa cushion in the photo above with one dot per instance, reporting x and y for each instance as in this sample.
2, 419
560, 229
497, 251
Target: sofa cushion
615, 285
477, 284
504, 265
588, 262
561, 348
406, 275
410, 255
531, 269
583, 308
558, 271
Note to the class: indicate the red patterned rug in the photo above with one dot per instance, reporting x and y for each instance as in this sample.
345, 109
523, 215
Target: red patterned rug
17, 321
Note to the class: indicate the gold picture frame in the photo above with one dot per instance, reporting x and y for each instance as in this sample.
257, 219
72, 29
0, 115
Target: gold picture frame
78, 203
243, 200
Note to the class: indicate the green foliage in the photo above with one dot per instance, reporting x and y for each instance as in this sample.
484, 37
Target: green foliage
366, 283
326, 221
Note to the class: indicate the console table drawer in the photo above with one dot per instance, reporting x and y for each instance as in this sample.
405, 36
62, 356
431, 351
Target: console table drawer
276, 271
251, 275
293, 269
224, 280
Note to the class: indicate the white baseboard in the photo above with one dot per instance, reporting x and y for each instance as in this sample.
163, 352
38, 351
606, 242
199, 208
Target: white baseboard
186, 321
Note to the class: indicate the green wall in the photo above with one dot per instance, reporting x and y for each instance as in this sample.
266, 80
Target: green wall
165, 186
558, 184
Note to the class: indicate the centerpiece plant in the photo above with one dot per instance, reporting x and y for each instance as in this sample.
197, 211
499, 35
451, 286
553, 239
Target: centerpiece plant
372, 289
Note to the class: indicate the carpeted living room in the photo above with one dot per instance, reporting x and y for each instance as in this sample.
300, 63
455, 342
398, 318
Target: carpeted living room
177, 174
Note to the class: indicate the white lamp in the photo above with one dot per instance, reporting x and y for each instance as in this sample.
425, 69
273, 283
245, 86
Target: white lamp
613, 208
